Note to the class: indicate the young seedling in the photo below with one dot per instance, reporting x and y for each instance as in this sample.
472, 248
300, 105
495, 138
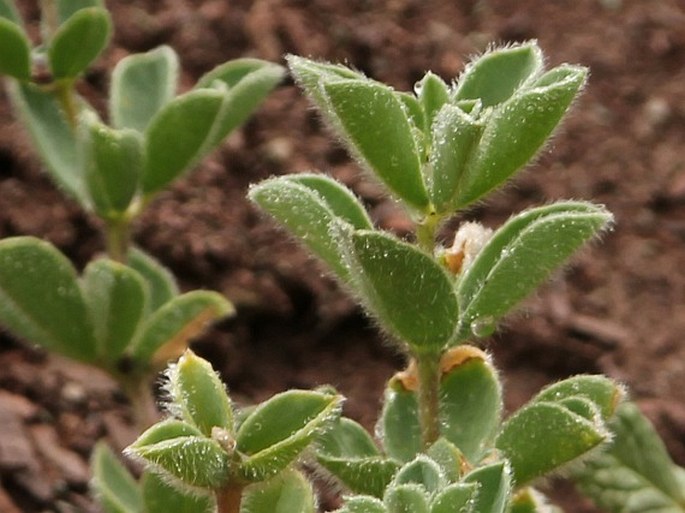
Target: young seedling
154, 135
444, 447
125, 314
233, 460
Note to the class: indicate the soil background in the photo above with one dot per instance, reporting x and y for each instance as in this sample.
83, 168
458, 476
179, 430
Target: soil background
618, 308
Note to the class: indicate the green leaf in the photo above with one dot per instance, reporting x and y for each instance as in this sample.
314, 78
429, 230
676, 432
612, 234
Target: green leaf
349, 453
288, 492
162, 284
52, 137
406, 498
348, 439
373, 122
455, 135
161, 497
414, 111
470, 402
369, 475
422, 471
542, 437
308, 206
399, 423
15, 50
165, 430
342, 202
113, 161
402, 287
635, 474
433, 93
176, 136
605, 393
495, 482
199, 395
249, 81
311, 75
113, 485
524, 251
362, 504
515, 131
195, 460
281, 428
117, 300
142, 84
449, 457
79, 41
166, 333
455, 498
67, 8
497, 75
8, 11
40, 298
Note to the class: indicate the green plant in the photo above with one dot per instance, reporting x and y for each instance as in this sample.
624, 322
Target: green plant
125, 314
437, 152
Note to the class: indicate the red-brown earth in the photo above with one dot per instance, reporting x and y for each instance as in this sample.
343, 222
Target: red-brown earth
618, 308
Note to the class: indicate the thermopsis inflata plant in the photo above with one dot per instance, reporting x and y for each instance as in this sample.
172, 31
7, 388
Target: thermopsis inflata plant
124, 313
441, 444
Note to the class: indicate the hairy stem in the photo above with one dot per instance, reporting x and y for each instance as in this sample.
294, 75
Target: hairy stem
428, 367
229, 498
425, 232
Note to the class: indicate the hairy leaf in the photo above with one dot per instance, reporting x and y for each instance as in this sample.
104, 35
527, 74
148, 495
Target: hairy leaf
166, 334
117, 300
542, 437
161, 282
495, 482
142, 84
176, 136
249, 81
605, 393
373, 122
402, 287
113, 161
308, 206
199, 395
498, 74
406, 498
281, 428
79, 41
523, 252
288, 492
115, 488
455, 498
516, 129
15, 50
635, 474
52, 137
40, 298
161, 497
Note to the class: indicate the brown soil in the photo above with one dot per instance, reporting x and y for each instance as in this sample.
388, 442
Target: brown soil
619, 308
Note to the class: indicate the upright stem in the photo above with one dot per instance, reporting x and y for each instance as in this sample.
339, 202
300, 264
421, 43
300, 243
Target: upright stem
142, 402
425, 232
428, 368
117, 233
229, 498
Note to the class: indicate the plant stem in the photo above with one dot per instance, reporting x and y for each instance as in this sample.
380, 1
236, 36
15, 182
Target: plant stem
117, 233
425, 232
142, 402
428, 368
229, 498
64, 91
